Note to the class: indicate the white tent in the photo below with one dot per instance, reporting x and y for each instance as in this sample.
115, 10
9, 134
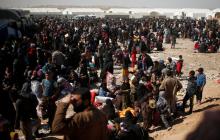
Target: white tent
196, 13
119, 11
43, 10
82, 11
166, 12
139, 11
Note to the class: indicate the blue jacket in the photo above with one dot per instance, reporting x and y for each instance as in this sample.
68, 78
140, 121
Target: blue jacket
201, 80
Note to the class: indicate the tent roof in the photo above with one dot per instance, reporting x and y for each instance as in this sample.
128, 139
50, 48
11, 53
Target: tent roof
196, 10
42, 10
82, 10
119, 10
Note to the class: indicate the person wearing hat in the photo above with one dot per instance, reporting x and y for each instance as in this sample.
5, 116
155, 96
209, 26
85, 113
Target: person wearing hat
88, 123
201, 81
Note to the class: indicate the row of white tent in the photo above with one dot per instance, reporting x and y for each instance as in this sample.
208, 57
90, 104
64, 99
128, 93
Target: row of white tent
132, 12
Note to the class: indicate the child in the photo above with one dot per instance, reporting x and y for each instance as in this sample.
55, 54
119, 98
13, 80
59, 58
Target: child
190, 91
133, 58
201, 82
164, 109
179, 66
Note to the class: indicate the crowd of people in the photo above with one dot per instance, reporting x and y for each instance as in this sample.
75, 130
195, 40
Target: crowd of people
206, 37
56, 63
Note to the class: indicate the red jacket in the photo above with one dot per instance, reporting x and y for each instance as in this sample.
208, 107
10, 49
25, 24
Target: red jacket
179, 66
196, 46
133, 57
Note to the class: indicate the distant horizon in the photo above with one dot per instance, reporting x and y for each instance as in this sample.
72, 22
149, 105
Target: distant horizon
100, 6
171, 4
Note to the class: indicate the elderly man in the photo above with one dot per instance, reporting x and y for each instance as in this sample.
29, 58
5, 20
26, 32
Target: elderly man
88, 123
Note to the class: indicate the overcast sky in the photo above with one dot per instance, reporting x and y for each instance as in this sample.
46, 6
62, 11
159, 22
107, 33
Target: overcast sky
211, 4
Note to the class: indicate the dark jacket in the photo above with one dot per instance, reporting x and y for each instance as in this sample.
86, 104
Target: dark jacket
191, 86
26, 104
126, 61
141, 91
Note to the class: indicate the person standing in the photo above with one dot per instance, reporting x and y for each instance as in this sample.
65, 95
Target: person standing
88, 123
171, 65
50, 94
26, 113
179, 66
201, 81
173, 38
190, 91
171, 86
133, 58
125, 93
125, 64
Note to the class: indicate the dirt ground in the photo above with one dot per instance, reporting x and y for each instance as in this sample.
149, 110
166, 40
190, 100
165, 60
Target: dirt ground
211, 98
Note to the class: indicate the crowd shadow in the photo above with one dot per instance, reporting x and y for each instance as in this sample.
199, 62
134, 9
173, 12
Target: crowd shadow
178, 121
150, 138
206, 108
174, 122
157, 129
49, 138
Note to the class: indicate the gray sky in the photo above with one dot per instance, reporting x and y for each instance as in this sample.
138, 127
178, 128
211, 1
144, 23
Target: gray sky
211, 4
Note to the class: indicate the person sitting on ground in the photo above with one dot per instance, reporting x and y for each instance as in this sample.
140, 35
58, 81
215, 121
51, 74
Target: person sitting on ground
130, 130
109, 109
